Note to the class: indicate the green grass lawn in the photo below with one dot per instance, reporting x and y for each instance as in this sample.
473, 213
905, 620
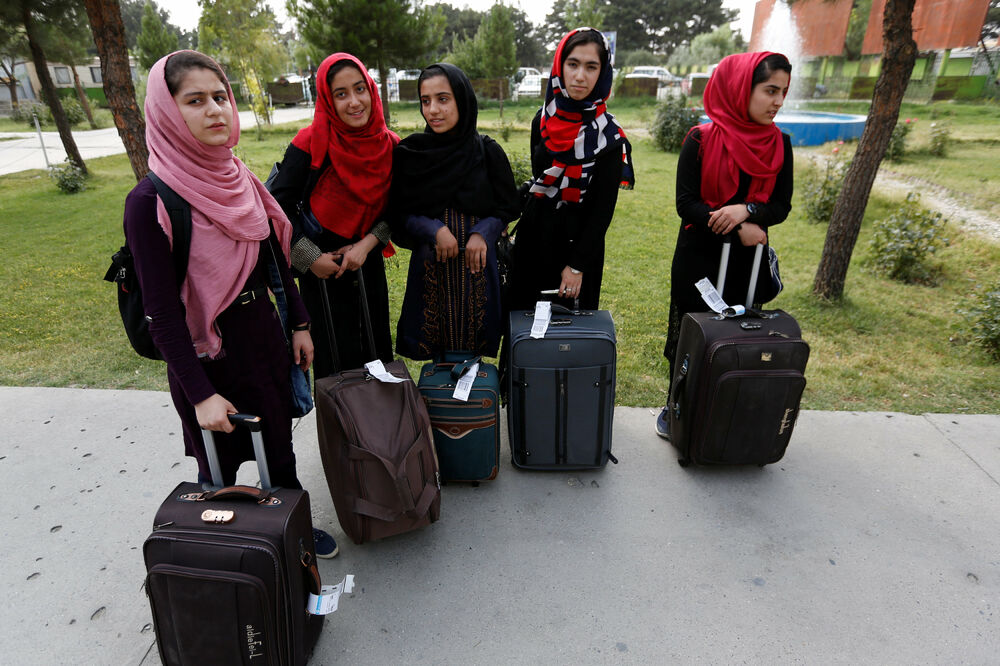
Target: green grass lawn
886, 346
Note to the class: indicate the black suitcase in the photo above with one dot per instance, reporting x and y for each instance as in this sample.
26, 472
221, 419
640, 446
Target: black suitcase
737, 384
229, 571
561, 390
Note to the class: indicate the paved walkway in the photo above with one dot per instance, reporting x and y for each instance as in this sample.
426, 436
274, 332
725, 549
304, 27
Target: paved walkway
876, 540
20, 151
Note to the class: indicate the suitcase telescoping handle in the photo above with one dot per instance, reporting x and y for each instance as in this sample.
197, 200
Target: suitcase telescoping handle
720, 281
253, 423
331, 338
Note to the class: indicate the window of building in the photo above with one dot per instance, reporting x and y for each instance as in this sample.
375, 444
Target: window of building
63, 75
95, 74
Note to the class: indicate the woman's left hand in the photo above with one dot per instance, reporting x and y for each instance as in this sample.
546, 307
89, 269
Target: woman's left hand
302, 349
475, 253
353, 256
725, 219
571, 283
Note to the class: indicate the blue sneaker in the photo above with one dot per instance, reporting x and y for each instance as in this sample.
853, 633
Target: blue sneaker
326, 547
663, 424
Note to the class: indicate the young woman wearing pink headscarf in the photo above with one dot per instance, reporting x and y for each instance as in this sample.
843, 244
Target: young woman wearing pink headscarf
219, 333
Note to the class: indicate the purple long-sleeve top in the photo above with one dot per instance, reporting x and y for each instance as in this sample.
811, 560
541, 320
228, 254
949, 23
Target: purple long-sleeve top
161, 300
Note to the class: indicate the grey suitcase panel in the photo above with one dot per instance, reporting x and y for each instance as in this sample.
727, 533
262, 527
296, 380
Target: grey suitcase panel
562, 391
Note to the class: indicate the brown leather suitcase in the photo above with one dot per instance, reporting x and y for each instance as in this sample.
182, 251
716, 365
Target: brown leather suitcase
377, 448
229, 572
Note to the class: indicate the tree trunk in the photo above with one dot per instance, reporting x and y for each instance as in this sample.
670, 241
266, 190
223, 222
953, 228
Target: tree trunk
383, 73
899, 52
11, 84
49, 91
84, 102
109, 37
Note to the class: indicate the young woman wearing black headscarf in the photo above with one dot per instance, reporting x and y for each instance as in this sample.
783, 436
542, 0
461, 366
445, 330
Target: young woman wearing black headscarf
452, 195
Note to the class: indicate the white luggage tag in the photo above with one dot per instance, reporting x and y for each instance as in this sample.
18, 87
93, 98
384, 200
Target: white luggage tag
328, 600
710, 295
464, 384
543, 315
378, 371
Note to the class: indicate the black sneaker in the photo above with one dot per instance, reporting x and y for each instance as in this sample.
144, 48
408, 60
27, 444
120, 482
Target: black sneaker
326, 547
663, 424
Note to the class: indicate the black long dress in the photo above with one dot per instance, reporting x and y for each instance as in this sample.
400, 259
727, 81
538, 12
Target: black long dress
288, 188
699, 249
549, 238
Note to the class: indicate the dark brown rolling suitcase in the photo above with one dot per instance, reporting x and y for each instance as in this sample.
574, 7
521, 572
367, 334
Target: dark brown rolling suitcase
230, 570
737, 384
377, 447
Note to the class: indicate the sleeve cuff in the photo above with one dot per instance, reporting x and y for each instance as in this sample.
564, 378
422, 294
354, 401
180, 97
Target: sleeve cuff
304, 253
382, 232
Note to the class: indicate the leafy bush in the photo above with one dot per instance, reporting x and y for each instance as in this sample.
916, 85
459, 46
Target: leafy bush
520, 163
73, 110
940, 134
68, 177
673, 120
902, 242
897, 143
24, 113
983, 321
822, 187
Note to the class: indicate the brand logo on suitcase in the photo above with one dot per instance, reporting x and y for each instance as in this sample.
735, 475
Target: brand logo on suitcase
564, 347
765, 357
255, 646
785, 423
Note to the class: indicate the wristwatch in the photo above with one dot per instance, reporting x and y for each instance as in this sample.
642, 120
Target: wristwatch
574, 271
301, 327
751, 208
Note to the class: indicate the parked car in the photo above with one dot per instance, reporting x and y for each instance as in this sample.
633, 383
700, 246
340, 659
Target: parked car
530, 86
525, 71
660, 73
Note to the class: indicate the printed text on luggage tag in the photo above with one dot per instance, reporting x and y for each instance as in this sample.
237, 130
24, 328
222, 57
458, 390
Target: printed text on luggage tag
710, 295
328, 599
465, 382
378, 371
543, 315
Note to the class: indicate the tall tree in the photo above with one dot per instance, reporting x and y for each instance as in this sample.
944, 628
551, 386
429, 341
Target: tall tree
13, 49
243, 33
708, 48
527, 38
459, 24
67, 40
491, 53
132, 12
382, 32
899, 52
35, 16
116, 74
155, 39
662, 25
566, 16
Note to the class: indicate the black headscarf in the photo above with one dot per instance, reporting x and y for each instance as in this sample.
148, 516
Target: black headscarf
458, 169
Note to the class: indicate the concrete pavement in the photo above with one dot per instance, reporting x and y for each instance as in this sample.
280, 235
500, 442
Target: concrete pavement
875, 540
20, 151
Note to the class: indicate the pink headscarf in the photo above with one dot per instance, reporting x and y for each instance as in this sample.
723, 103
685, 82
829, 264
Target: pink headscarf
229, 209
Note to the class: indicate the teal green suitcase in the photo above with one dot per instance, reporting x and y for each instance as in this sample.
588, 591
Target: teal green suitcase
466, 433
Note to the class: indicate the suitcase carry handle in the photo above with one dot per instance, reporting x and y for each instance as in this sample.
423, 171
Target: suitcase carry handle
459, 369
252, 423
331, 337
720, 281
412, 508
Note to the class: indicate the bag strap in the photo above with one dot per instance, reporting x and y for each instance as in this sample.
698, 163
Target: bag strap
410, 507
179, 211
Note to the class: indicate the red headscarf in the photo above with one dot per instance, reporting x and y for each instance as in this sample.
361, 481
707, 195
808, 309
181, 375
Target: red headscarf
230, 208
731, 142
353, 191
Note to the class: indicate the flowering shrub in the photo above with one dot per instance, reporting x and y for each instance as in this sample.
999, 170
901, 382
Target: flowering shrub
897, 143
902, 242
983, 321
822, 186
939, 139
68, 177
673, 120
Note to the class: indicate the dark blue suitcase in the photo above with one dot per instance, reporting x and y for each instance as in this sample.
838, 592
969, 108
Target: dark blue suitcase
466, 433
561, 390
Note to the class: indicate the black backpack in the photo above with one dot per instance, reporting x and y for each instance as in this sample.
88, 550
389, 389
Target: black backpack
122, 271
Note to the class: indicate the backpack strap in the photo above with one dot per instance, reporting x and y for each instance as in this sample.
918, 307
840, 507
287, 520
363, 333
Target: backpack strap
179, 211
